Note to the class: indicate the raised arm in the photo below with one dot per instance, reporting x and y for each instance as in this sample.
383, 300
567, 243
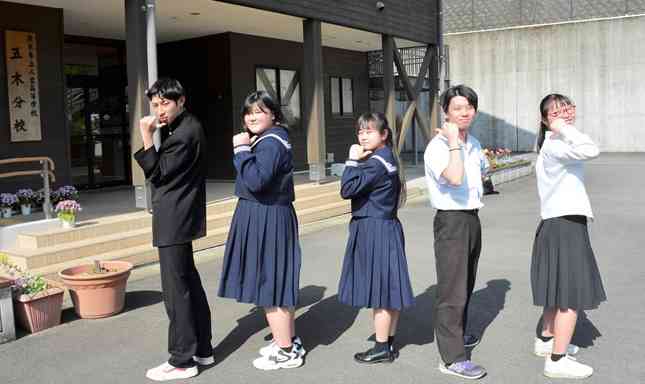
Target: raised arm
258, 169
575, 145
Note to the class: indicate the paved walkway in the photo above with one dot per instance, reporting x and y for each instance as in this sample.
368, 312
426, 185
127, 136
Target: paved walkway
121, 348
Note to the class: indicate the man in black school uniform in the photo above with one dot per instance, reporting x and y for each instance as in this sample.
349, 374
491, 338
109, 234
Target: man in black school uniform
177, 172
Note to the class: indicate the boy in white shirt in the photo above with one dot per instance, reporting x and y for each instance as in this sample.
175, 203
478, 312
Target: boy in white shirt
454, 164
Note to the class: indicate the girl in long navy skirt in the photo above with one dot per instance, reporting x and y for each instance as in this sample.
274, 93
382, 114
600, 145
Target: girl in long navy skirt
262, 256
564, 274
375, 271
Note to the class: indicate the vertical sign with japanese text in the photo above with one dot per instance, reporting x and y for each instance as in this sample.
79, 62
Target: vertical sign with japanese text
22, 84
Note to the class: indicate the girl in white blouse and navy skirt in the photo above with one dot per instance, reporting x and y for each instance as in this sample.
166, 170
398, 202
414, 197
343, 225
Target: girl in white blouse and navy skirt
564, 274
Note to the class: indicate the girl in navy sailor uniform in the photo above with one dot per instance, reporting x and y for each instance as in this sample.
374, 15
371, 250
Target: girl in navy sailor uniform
375, 271
262, 257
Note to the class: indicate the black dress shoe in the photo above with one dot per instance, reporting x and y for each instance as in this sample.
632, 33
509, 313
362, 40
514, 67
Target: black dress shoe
371, 356
394, 352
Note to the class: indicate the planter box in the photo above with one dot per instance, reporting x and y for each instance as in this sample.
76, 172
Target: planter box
505, 175
37, 312
7, 325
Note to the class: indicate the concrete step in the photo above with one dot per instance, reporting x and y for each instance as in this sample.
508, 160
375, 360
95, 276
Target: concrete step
36, 258
85, 230
218, 214
139, 255
135, 245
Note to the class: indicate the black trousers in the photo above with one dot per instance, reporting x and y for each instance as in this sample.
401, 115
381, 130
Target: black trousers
189, 331
457, 245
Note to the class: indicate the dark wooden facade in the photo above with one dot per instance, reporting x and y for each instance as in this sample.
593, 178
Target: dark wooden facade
219, 71
47, 23
414, 20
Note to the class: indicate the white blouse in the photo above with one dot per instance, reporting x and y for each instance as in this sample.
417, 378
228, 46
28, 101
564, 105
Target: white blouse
560, 173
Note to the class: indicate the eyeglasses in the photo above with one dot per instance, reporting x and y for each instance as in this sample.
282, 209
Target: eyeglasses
568, 109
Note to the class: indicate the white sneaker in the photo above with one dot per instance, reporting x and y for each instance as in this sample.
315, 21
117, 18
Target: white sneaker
279, 359
566, 368
544, 348
204, 360
167, 372
297, 342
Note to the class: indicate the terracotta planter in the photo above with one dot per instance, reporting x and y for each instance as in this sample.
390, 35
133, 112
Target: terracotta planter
97, 295
39, 311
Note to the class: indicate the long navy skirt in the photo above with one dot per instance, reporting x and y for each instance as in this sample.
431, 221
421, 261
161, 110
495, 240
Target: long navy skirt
564, 272
262, 257
375, 270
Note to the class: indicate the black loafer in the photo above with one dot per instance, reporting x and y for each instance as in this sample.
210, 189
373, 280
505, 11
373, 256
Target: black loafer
394, 352
372, 357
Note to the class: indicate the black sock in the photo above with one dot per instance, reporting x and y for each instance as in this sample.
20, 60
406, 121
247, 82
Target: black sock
380, 347
293, 339
287, 349
390, 340
556, 357
545, 338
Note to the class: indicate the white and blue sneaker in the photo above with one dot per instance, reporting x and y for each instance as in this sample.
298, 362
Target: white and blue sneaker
297, 342
279, 359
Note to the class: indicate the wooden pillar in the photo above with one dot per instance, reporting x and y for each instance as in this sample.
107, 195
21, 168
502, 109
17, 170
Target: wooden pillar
435, 91
388, 79
137, 71
314, 93
436, 86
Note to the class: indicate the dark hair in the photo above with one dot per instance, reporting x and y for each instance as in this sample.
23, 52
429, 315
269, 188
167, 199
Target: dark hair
545, 104
379, 122
166, 88
458, 90
266, 103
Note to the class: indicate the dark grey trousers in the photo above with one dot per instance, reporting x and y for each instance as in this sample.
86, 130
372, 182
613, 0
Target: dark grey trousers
189, 331
457, 245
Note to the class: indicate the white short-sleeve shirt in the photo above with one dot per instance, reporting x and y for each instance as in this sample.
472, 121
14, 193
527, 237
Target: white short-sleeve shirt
444, 196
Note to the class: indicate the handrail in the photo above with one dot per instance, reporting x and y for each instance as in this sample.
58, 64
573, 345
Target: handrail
52, 165
46, 173
27, 173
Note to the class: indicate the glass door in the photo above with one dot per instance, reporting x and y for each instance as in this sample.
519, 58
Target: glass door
99, 138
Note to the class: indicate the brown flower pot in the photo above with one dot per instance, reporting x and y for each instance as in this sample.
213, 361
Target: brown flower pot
39, 311
97, 295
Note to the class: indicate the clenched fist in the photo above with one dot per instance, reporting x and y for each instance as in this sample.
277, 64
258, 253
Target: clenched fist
449, 131
148, 124
356, 152
241, 139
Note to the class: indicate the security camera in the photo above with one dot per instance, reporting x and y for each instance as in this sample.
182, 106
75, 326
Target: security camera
380, 5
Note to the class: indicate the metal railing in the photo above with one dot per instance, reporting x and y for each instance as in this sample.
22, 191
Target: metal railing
46, 172
412, 58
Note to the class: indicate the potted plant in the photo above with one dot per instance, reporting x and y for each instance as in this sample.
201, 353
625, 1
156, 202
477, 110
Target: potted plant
54, 197
66, 211
67, 192
26, 197
37, 302
97, 290
7, 202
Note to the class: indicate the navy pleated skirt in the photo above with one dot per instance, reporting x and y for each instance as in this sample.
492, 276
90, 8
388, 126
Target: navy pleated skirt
375, 269
564, 272
262, 257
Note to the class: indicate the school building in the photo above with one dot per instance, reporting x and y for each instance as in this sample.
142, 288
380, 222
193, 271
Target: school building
73, 75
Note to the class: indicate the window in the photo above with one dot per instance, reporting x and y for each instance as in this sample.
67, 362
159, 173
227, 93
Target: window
342, 96
287, 82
